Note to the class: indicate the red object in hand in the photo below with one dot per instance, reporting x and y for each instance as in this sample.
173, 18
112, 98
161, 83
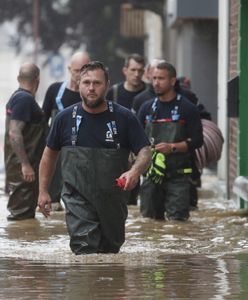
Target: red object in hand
120, 182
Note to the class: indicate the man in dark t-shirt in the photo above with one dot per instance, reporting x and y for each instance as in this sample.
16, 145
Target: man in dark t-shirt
95, 137
59, 96
23, 145
68, 98
148, 93
174, 127
124, 92
182, 86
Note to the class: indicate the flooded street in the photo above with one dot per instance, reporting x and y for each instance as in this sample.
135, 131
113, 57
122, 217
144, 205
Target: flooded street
204, 258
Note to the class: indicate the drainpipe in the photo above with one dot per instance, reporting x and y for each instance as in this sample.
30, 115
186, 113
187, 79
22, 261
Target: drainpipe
223, 58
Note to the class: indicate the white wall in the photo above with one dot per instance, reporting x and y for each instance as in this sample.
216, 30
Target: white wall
195, 46
153, 31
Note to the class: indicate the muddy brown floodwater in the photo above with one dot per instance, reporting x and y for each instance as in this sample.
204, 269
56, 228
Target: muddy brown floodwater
203, 258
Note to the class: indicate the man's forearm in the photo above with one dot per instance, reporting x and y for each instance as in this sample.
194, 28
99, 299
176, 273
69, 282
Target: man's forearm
143, 160
16, 140
19, 149
47, 168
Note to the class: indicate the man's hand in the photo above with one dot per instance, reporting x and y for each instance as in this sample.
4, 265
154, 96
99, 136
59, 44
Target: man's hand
163, 148
131, 179
28, 173
46, 171
167, 148
44, 203
142, 162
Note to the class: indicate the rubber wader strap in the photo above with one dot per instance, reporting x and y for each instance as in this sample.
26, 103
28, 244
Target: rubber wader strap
115, 92
77, 119
59, 96
112, 125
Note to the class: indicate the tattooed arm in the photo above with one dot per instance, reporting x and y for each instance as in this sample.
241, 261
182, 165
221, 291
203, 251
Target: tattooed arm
142, 162
17, 143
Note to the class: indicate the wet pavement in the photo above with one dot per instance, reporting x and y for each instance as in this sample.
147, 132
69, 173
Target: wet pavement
203, 258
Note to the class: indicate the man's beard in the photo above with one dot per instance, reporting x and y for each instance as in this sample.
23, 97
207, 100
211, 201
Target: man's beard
159, 93
93, 104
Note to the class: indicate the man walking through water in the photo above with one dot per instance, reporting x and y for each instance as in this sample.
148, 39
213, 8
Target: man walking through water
95, 137
25, 135
174, 127
60, 95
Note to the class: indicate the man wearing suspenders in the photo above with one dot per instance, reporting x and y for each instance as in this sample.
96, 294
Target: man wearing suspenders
174, 127
25, 135
95, 138
59, 96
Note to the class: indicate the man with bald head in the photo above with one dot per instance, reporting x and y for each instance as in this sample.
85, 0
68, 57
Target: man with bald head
60, 95
24, 143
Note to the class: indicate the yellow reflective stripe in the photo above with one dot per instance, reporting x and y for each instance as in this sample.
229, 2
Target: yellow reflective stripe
184, 171
187, 171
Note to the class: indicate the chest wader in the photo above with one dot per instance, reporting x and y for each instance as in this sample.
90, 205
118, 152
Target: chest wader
56, 184
173, 194
23, 195
96, 208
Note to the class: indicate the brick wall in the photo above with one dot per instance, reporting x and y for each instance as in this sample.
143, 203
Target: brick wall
233, 71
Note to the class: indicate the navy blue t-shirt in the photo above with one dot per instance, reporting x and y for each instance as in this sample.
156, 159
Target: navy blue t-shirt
95, 130
123, 96
68, 98
182, 109
23, 107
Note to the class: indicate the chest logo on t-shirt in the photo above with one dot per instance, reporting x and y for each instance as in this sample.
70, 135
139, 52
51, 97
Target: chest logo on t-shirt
109, 133
175, 116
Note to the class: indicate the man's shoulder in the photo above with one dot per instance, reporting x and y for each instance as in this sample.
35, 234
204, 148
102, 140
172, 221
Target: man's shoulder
117, 87
24, 96
69, 109
120, 108
145, 95
187, 102
114, 91
22, 106
191, 96
146, 106
188, 107
55, 86
122, 111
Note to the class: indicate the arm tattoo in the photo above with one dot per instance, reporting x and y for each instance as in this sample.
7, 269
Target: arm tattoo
16, 140
143, 160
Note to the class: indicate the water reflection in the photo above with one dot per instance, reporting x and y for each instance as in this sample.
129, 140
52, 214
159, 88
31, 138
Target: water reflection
174, 277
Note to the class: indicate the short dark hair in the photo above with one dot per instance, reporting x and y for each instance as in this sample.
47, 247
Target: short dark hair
169, 67
94, 65
136, 57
